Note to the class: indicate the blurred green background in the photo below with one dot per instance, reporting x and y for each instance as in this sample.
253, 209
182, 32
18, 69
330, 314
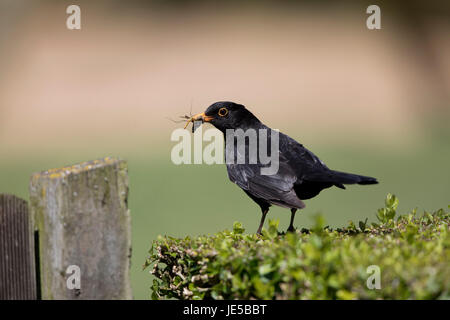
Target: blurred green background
368, 102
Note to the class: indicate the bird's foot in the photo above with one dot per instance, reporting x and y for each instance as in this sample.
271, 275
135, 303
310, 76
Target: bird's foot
291, 229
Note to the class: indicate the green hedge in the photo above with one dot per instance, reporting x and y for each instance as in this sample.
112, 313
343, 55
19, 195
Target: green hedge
411, 251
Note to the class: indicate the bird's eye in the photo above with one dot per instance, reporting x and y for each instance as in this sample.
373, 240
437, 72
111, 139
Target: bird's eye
223, 112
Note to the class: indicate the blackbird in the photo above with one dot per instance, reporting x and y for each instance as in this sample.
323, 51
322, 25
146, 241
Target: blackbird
301, 175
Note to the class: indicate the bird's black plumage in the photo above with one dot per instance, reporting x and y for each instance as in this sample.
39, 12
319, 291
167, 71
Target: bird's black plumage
301, 174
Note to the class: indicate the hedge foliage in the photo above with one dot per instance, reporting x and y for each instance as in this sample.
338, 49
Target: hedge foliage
411, 251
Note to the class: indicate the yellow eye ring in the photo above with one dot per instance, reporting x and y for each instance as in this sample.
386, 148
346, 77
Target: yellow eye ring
223, 112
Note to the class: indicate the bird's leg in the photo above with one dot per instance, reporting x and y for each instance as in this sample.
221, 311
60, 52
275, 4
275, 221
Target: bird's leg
263, 217
291, 225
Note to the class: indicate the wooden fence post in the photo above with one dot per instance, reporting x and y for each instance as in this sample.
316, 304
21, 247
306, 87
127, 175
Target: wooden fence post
17, 265
82, 216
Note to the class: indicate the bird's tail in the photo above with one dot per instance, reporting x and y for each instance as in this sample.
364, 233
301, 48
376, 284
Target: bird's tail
350, 178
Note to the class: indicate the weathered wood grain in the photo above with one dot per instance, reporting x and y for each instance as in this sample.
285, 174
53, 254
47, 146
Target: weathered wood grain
17, 267
82, 216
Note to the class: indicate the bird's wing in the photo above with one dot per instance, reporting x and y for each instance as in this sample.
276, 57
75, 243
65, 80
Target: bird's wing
310, 169
276, 188
303, 162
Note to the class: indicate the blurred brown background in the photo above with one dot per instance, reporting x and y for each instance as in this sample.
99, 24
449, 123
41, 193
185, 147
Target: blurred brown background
374, 102
134, 63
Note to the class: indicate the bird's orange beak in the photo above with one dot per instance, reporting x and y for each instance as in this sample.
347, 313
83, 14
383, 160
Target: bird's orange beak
200, 116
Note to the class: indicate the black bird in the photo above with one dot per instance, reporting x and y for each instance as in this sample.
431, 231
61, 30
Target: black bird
301, 174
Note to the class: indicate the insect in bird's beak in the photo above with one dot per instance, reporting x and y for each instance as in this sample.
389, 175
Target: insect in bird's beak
201, 117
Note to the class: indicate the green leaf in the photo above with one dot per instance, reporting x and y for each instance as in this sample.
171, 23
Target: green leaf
238, 228
265, 269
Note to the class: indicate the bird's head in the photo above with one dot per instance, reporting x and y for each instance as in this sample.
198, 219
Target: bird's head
226, 115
